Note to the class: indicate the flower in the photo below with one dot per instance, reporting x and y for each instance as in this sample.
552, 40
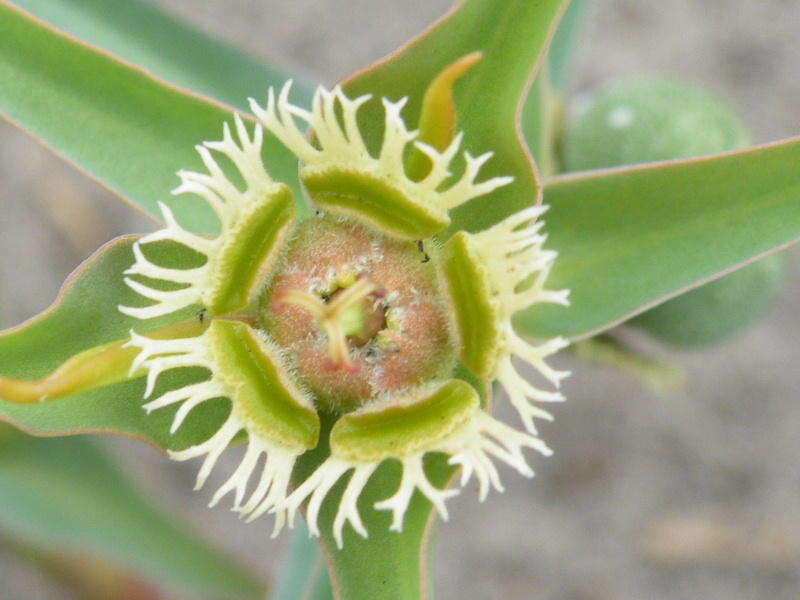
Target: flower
340, 313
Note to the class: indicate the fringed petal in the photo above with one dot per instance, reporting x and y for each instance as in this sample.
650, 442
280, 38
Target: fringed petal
342, 176
253, 223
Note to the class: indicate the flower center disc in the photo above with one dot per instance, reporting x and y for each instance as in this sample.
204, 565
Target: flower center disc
358, 314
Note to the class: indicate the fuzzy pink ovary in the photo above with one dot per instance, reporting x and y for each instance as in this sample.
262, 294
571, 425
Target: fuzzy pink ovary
414, 361
420, 344
335, 246
402, 271
292, 323
334, 386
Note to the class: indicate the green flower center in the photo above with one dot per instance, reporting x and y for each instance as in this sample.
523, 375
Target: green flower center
362, 321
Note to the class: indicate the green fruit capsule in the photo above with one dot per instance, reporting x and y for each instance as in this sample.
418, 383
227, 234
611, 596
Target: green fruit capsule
645, 120
718, 310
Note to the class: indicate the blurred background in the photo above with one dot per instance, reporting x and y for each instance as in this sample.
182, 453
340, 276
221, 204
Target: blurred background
689, 494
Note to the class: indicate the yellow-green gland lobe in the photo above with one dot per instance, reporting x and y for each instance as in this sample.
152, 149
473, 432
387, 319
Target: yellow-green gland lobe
474, 304
357, 314
249, 251
440, 418
277, 416
372, 199
490, 276
254, 219
405, 425
267, 399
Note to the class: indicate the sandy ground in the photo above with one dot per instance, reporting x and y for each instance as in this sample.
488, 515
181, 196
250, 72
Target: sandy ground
691, 495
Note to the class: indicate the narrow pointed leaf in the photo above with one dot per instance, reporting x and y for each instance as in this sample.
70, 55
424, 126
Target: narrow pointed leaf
122, 126
543, 112
540, 121
631, 238
565, 42
85, 316
141, 33
66, 496
512, 35
305, 573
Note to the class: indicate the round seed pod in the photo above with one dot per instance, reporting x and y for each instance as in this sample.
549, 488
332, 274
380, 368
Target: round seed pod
645, 120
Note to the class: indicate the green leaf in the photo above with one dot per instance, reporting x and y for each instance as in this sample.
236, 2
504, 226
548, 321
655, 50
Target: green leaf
305, 573
642, 120
123, 127
564, 43
66, 496
543, 112
85, 316
142, 34
512, 35
631, 238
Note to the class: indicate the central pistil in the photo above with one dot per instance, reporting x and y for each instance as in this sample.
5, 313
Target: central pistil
348, 315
